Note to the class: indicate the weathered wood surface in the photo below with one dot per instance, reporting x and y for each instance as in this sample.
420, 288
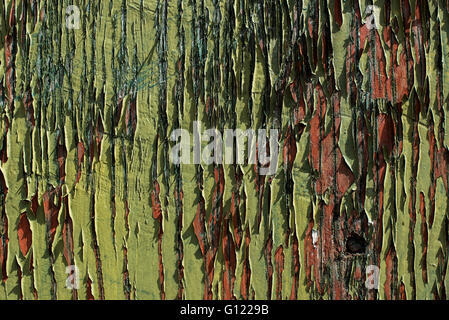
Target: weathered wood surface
86, 179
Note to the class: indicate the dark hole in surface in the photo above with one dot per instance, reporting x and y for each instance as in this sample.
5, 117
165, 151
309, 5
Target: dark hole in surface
289, 186
355, 244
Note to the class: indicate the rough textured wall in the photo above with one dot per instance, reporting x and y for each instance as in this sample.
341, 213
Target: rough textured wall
359, 95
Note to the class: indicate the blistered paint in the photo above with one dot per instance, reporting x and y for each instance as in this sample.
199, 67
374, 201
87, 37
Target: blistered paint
86, 178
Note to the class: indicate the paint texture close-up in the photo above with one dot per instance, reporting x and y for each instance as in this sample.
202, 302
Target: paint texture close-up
233, 149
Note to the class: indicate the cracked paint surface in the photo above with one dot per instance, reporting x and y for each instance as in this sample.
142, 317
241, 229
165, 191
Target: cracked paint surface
86, 178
